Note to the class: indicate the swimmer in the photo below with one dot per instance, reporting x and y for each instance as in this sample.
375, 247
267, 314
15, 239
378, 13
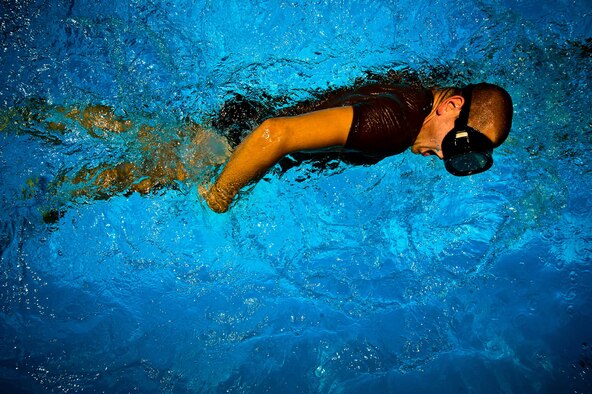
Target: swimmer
460, 126
364, 125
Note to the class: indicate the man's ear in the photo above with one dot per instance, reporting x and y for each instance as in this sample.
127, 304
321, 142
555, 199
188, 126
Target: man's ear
452, 103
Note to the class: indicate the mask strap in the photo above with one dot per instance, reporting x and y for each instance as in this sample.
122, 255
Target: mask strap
463, 118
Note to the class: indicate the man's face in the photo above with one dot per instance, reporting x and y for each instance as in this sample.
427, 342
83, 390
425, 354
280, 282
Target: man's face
429, 142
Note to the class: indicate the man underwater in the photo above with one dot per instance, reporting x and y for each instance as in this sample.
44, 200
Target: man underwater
363, 124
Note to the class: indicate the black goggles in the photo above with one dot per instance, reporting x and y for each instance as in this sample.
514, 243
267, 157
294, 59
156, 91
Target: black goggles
466, 151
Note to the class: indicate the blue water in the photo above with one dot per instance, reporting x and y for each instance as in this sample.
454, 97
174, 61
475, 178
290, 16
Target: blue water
393, 278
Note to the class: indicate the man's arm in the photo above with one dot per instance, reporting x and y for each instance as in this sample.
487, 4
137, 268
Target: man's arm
271, 141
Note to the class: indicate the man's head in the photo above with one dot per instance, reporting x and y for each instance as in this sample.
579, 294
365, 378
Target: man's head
490, 113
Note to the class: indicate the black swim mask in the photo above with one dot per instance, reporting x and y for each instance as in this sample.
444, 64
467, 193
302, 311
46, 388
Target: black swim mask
466, 150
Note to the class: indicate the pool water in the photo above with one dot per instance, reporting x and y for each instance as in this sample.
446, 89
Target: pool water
391, 278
